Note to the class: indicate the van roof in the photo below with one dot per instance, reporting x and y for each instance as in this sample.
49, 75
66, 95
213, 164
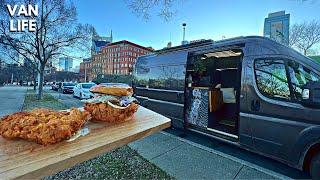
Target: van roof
255, 45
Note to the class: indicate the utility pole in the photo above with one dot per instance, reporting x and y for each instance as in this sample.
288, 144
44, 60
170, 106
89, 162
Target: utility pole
184, 31
85, 73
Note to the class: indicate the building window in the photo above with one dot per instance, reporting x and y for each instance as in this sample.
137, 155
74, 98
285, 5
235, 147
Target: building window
271, 79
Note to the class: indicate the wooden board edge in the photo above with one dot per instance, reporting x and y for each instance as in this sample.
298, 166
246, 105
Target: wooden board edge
67, 163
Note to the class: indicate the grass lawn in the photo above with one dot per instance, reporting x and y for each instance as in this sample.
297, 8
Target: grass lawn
48, 101
121, 163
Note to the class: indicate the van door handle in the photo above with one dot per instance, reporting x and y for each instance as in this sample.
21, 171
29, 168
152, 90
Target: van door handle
255, 105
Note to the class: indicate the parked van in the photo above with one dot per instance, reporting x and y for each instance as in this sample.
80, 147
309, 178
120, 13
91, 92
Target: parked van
248, 91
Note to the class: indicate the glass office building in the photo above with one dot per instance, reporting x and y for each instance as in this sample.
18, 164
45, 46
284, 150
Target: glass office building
276, 27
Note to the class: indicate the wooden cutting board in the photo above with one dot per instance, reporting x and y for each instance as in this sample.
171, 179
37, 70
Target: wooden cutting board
28, 160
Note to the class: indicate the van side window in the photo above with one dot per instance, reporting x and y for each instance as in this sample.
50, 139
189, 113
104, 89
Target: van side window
299, 76
271, 79
161, 77
167, 77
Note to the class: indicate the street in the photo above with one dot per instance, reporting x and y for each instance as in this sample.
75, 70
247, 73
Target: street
12, 99
246, 158
66, 99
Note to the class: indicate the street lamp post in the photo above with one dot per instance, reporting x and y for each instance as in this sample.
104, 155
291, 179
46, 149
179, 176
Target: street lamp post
85, 73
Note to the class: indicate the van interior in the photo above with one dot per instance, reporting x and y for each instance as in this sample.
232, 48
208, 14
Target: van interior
218, 73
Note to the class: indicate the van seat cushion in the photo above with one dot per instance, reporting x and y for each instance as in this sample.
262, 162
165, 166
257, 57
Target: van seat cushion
229, 95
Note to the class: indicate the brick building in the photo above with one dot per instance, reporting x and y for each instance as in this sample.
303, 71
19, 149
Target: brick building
114, 58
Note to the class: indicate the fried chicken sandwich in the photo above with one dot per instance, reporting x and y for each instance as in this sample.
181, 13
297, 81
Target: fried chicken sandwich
113, 102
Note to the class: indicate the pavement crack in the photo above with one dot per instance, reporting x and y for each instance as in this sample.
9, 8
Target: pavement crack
238, 171
166, 152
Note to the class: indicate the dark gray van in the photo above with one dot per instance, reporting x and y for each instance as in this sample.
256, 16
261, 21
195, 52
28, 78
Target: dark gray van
248, 91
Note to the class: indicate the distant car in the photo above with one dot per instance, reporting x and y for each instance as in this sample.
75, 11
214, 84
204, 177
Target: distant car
67, 87
55, 86
81, 90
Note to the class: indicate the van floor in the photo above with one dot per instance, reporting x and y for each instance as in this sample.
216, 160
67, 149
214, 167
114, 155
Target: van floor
227, 129
228, 122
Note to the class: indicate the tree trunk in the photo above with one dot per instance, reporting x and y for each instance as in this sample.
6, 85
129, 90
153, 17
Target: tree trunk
40, 89
34, 80
34, 83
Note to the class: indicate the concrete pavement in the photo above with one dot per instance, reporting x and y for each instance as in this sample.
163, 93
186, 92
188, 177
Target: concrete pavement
185, 160
11, 99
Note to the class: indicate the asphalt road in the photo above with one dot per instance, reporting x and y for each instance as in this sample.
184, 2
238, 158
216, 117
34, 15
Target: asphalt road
66, 99
229, 150
11, 102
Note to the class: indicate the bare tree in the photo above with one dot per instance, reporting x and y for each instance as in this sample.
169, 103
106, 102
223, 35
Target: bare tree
304, 36
13, 57
57, 30
142, 8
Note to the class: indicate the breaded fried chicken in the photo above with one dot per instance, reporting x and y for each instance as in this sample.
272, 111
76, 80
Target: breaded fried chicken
42, 125
108, 113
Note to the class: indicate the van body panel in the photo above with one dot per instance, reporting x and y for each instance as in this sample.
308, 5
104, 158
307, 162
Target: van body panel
277, 126
307, 138
164, 95
280, 129
245, 129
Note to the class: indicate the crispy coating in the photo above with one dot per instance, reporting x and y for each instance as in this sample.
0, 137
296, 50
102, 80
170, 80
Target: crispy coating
42, 125
113, 89
105, 112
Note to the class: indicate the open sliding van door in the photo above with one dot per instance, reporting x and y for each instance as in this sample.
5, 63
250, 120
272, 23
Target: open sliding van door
213, 92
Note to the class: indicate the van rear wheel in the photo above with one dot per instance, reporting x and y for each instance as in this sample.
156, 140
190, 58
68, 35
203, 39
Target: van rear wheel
315, 167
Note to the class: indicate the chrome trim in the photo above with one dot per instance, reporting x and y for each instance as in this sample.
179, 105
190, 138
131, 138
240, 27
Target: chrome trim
223, 133
165, 90
236, 143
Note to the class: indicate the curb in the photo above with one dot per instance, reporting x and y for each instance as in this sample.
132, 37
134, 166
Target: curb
24, 99
233, 158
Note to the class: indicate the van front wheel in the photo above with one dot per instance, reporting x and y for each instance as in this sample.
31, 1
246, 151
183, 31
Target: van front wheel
315, 167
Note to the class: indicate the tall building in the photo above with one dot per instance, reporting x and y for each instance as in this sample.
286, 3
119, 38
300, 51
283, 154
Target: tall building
65, 64
21, 60
68, 64
99, 41
276, 27
114, 58
85, 69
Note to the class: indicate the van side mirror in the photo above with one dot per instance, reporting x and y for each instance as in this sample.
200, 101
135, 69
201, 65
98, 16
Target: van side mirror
311, 94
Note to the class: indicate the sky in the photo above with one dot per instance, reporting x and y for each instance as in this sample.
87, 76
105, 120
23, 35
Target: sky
205, 19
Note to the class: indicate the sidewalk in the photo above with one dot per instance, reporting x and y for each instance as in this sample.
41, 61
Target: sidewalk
184, 159
12, 98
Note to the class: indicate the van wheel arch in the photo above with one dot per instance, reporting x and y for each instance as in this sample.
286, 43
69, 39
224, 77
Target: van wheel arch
312, 151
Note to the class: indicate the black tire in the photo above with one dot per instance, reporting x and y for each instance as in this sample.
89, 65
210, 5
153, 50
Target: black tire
315, 167
80, 96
